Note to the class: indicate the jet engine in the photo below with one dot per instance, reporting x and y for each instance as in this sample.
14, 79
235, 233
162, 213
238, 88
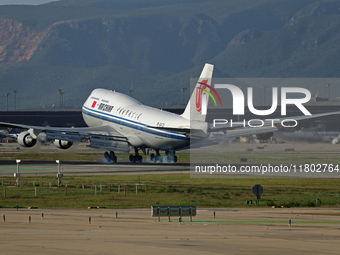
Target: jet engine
264, 136
62, 144
335, 140
26, 140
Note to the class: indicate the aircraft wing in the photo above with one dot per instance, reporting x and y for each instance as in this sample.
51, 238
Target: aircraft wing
101, 137
247, 131
271, 125
236, 129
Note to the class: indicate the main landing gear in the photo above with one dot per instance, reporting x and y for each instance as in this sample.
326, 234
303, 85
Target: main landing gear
171, 156
156, 158
110, 157
136, 158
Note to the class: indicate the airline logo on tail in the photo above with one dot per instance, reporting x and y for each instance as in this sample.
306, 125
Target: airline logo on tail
201, 97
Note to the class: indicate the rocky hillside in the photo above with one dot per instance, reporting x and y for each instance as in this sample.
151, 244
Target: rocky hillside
154, 47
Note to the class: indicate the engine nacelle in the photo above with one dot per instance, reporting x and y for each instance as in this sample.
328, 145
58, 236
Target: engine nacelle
26, 140
264, 136
335, 140
62, 144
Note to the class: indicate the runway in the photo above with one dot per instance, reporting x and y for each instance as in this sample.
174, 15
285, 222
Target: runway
41, 168
8, 168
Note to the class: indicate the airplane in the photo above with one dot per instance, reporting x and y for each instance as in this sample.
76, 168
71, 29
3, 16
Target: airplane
117, 122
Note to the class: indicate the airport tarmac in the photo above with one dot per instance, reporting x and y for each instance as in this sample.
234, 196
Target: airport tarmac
233, 231
43, 168
8, 168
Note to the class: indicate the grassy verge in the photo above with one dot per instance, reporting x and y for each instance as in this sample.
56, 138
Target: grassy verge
174, 189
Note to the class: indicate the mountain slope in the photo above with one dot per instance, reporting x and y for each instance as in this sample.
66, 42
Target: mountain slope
155, 46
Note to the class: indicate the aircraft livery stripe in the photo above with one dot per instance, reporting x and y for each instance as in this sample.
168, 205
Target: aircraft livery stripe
133, 124
129, 121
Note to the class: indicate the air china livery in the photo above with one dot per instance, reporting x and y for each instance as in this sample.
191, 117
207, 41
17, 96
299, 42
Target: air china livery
117, 122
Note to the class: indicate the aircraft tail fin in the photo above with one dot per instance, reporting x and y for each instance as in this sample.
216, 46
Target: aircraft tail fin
11, 131
46, 124
196, 109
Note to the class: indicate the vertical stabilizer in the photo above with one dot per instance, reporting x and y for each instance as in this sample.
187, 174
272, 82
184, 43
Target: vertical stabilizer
196, 109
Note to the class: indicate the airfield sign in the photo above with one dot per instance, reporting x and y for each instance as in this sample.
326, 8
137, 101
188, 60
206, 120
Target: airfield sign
258, 190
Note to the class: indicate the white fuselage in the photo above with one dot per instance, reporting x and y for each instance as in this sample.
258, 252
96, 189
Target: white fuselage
140, 124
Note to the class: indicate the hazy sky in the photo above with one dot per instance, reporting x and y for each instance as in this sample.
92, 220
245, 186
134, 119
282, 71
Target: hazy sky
30, 2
